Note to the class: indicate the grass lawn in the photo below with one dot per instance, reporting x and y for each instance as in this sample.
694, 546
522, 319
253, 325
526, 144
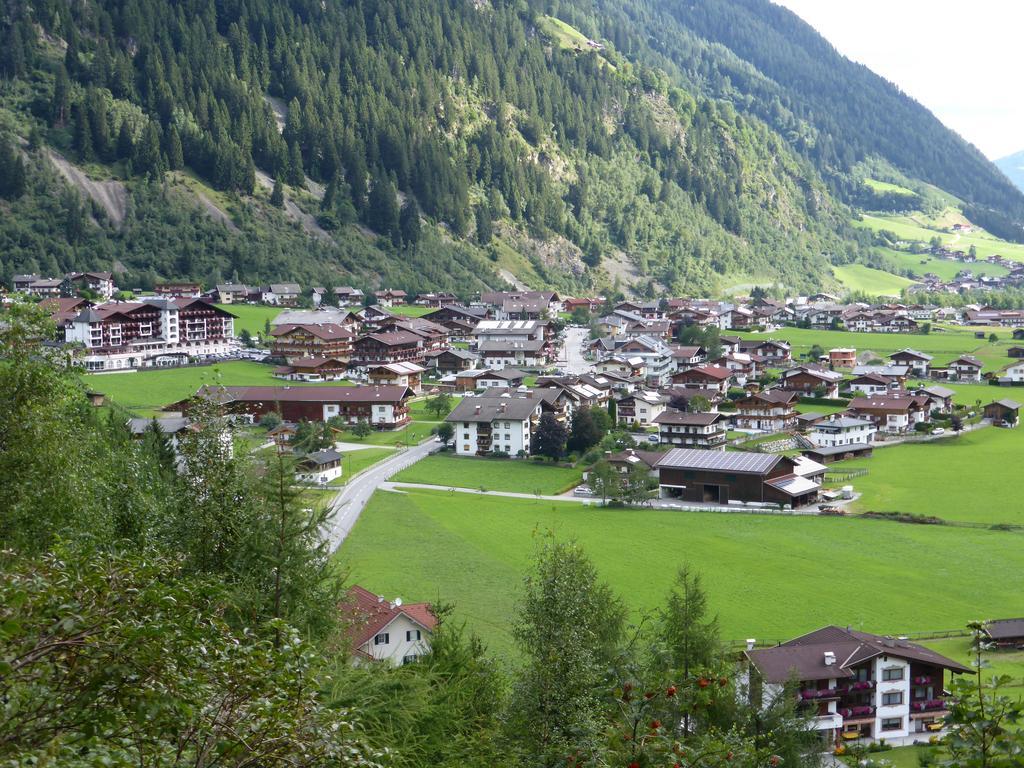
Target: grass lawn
416, 432
767, 577
251, 317
857, 277
354, 462
418, 411
149, 390
514, 476
824, 410
410, 311
959, 478
1000, 662
901, 757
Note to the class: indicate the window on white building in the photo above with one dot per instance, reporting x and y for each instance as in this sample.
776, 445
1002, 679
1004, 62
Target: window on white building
892, 698
892, 673
409, 658
412, 634
892, 724
381, 639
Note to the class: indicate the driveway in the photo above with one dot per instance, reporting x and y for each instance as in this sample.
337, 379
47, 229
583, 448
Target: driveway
352, 499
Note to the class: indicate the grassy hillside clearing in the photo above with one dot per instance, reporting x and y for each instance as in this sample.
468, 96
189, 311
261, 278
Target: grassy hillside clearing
885, 186
921, 228
921, 264
762, 574
876, 282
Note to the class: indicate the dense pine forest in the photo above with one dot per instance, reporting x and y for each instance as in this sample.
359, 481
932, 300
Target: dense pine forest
466, 117
435, 143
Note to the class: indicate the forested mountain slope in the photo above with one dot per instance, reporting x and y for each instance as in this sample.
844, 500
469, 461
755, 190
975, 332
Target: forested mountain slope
419, 143
1013, 167
770, 63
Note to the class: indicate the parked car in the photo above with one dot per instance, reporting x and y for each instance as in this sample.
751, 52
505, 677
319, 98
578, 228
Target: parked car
582, 490
938, 431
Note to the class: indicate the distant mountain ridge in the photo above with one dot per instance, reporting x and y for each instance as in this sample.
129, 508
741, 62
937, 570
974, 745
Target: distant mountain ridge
635, 145
1013, 167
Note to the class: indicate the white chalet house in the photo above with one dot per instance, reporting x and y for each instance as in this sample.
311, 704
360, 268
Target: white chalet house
857, 687
386, 631
495, 423
843, 431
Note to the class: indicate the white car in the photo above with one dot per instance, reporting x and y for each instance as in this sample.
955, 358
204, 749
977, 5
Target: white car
938, 431
582, 490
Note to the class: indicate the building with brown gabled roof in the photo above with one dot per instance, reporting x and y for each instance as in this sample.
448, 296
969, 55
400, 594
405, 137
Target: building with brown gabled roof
857, 686
704, 377
388, 347
770, 411
319, 340
384, 630
311, 369
683, 429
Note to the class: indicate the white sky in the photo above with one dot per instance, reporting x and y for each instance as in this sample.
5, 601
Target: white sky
962, 59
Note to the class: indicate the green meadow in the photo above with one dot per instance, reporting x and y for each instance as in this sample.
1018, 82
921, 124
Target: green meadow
767, 577
875, 282
491, 474
151, 389
961, 478
251, 317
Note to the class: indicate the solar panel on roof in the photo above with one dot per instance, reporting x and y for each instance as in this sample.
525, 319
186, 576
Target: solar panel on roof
735, 461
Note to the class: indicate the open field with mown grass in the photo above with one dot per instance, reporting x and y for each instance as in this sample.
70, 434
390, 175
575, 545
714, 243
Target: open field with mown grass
149, 390
961, 478
1010, 663
514, 476
354, 462
409, 310
415, 432
767, 577
944, 345
886, 186
251, 317
875, 282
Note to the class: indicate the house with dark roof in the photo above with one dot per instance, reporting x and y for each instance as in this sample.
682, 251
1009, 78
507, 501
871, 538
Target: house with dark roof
811, 379
495, 423
918, 362
723, 477
384, 630
965, 368
317, 340
857, 686
893, 413
683, 429
770, 411
1003, 413
318, 467
381, 407
311, 369
704, 377
1006, 633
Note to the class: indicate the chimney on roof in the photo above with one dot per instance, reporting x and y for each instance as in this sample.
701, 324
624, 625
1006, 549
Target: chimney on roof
830, 658
751, 642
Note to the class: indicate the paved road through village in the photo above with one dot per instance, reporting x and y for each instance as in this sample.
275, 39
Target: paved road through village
349, 504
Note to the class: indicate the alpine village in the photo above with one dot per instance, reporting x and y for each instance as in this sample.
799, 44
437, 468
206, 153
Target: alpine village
526, 383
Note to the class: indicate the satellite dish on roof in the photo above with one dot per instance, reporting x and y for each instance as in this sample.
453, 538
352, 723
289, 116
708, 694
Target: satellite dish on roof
398, 602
